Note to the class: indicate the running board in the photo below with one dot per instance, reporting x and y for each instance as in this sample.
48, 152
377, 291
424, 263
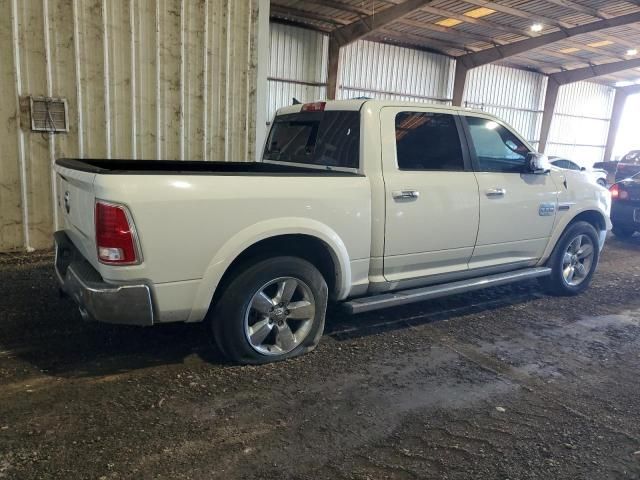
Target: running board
386, 300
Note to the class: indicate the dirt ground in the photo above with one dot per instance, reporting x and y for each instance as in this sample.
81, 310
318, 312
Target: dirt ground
505, 383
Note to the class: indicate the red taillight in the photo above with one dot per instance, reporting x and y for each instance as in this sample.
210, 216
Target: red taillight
618, 193
314, 107
615, 191
114, 237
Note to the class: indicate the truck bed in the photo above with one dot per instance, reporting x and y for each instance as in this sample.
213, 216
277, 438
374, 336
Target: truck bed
178, 167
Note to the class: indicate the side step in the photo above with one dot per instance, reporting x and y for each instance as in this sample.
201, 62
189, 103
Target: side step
385, 300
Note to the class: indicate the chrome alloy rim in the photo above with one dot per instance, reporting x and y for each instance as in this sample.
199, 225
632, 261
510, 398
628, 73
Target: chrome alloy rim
578, 260
280, 316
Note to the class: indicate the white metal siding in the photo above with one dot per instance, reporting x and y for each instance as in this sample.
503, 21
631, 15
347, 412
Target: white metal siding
298, 66
516, 96
369, 69
581, 122
166, 79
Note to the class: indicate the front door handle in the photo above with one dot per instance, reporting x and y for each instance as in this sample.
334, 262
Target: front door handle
405, 194
496, 192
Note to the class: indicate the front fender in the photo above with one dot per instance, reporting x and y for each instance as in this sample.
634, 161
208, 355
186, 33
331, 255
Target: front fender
255, 233
599, 202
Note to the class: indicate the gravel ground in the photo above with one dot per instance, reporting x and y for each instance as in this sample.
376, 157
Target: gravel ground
505, 383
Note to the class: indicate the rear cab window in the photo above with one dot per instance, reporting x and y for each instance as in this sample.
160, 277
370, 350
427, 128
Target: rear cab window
329, 139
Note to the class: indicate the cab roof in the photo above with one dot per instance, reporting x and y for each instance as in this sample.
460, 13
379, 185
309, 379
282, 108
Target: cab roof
357, 104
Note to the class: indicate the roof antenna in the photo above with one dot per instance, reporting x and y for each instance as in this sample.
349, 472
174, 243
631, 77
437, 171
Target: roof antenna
296, 101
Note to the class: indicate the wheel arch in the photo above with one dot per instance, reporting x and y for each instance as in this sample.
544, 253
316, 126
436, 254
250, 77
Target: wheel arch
592, 216
305, 238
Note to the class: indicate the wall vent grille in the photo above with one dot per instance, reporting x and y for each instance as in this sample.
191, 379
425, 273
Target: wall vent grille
49, 114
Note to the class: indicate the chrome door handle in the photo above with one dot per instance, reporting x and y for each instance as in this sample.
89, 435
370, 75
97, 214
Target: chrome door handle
405, 194
496, 192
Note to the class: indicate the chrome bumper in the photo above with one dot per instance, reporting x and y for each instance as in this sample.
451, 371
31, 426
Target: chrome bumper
99, 300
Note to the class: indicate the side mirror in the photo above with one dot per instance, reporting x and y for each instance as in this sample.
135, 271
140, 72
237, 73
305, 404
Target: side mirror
583, 169
538, 163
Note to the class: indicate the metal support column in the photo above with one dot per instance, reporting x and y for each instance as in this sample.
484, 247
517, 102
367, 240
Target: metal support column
550, 99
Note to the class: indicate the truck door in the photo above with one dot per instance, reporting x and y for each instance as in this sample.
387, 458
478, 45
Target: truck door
432, 204
517, 208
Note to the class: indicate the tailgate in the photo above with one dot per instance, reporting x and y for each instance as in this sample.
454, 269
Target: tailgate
76, 200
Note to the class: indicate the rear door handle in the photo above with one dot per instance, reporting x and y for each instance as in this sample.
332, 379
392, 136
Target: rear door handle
405, 194
496, 192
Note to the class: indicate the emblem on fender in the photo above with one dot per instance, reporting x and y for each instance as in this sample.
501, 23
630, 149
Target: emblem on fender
547, 209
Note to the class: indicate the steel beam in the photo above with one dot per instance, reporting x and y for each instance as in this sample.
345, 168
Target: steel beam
593, 71
571, 76
355, 31
459, 82
550, 99
500, 52
359, 29
332, 69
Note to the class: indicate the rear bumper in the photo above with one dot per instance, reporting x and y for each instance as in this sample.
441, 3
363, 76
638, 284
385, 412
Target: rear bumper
622, 214
128, 304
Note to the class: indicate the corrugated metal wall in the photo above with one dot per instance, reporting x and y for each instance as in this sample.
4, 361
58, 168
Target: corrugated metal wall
369, 69
169, 79
581, 122
298, 66
514, 95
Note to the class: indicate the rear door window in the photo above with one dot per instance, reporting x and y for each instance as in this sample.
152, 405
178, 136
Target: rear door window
428, 141
329, 138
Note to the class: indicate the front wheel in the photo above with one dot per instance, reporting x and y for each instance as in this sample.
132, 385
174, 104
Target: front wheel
573, 261
271, 311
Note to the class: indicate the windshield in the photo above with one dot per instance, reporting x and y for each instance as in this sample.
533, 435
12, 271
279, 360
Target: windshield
330, 139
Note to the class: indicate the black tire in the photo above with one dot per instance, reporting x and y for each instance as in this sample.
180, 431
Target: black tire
227, 317
623, 232
556, 284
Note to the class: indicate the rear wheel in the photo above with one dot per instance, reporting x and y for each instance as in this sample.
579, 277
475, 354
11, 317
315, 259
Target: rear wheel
623, 232
573, 261
271, 311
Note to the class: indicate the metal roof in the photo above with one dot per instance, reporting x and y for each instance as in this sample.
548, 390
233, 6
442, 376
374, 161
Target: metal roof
455, 27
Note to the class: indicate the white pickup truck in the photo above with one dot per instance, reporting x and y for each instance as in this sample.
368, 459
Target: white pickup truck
370, 203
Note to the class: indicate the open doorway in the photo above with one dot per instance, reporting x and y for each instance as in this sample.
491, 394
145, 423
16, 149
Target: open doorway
628, 136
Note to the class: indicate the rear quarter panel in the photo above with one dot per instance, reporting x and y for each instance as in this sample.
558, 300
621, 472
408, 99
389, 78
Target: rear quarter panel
191, 227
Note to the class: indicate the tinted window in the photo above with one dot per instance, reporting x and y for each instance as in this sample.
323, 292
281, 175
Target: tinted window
572, 166
428, 141
560, 163
497, 149
632, 157
329, 138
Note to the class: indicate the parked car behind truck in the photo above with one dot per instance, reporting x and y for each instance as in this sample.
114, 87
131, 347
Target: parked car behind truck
373, 204
628, 166
597, 175
625, 209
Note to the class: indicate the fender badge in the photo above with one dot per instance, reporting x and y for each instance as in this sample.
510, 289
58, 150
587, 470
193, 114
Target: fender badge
546, 209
